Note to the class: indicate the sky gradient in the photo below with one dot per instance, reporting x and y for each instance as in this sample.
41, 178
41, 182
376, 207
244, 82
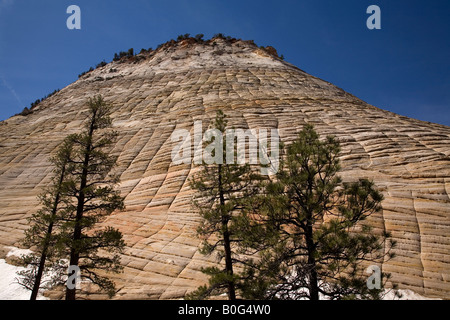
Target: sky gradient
403, 68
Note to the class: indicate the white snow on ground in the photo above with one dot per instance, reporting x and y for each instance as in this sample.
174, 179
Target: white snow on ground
406, 294
9, 288
13, 251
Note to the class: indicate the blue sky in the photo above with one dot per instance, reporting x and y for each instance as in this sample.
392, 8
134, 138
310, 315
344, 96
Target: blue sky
403, 68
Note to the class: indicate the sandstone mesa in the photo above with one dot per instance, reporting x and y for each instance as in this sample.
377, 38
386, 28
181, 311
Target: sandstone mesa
155, 93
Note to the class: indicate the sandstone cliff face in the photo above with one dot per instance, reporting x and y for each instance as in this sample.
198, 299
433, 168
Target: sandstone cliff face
156, 93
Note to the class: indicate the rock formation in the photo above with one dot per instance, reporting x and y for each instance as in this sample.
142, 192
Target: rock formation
157, 92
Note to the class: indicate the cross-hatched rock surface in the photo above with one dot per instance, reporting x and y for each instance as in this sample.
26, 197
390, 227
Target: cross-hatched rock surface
155, 93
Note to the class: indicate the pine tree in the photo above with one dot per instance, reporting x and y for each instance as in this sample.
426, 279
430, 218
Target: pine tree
309, 229
223, 190
90, 187
41, 235
81, 194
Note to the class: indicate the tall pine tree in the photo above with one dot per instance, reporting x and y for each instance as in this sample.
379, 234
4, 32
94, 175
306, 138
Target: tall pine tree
81, 194
91, 188
309, 229
223, 190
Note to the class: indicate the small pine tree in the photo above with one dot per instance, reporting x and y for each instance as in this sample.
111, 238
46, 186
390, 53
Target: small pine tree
219, 35
182, 37
25, 111
42, 236
101, 64
199, 37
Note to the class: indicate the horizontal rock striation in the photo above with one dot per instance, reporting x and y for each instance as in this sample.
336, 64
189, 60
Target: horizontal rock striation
157, 92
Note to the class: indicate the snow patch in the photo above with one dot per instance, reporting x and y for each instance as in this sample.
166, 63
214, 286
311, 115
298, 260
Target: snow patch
9, 288
16, 252
406, 294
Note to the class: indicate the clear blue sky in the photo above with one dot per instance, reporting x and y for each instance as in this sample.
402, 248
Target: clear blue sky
404, 67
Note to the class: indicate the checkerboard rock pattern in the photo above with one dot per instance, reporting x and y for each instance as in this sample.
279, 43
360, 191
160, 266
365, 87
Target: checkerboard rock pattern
157, 92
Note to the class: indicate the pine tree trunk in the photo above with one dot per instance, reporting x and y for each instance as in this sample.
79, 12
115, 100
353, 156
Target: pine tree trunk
38, 278
313, 284
74, 257
74, 252
229, 265
226, 239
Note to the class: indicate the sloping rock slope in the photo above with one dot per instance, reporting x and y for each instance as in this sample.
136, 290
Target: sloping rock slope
157, 92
